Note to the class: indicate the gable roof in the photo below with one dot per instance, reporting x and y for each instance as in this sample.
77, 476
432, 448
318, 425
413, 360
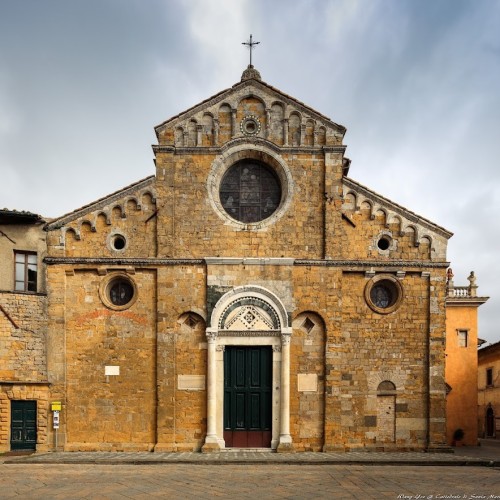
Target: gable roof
399, 209
248, 82
100, 203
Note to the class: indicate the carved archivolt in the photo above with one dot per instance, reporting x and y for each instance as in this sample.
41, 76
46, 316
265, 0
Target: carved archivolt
250, 308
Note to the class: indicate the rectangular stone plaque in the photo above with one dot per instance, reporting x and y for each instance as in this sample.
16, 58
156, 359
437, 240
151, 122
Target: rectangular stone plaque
191, 382
111, 370
308, 382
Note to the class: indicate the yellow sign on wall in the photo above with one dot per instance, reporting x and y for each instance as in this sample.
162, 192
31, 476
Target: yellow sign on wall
56, 406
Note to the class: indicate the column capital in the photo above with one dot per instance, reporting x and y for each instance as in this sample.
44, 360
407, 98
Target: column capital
212, 336
285, 338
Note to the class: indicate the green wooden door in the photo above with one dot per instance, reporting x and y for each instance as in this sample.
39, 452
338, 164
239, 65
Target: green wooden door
247, 396
23, 425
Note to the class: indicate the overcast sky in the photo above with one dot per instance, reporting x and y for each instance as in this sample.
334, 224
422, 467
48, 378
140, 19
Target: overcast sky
416, 83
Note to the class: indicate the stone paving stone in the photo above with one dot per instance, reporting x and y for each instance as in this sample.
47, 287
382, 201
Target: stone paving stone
251, 481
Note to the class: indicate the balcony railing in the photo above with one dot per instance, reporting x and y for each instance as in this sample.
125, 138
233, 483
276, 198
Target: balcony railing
461, 292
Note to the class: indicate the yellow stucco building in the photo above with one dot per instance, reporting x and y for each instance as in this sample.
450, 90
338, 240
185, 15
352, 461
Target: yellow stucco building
462, 342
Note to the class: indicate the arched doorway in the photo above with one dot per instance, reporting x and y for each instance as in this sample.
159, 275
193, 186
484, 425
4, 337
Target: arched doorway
386, 412
248, 373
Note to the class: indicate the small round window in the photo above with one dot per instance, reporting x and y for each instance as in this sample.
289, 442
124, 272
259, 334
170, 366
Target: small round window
250, 191
118, 292
383, 294
118, 242
250, 125
384, 243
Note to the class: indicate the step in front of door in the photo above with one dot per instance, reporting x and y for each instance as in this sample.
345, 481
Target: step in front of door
247, 439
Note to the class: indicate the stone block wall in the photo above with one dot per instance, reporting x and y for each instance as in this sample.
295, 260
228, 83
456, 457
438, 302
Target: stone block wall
23, 362
23, 329
187, 218
181, 355
118, 411
374, 348
307, 384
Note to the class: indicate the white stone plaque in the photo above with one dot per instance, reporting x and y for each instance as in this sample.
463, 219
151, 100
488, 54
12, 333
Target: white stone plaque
308, 382
191, 382
111, 370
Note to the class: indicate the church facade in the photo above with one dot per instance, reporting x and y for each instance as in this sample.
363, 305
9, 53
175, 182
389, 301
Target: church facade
248, 294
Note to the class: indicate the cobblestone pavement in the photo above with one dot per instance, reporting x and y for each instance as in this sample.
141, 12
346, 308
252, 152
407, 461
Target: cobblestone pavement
256, 481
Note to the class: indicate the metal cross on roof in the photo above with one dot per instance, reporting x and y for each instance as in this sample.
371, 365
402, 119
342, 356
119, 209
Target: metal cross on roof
250, 44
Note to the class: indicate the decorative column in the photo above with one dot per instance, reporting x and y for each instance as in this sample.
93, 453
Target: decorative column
199, 135
216, 131
285, 441
302, 137
285, 132
268, 123
233, 123
211, 442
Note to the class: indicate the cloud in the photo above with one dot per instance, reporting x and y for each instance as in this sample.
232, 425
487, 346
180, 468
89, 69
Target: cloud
82, 84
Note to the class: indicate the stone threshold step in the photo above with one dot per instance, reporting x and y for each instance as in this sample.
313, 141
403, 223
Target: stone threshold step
245, 450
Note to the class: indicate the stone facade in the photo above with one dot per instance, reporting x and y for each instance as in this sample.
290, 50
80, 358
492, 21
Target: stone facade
462, 341
151, 287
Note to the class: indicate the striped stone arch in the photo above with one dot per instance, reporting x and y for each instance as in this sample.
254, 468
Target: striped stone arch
250, 295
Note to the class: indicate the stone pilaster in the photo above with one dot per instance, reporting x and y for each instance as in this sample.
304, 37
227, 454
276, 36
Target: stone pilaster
165, 186
285, 441
332, 202
436, 433
211, 442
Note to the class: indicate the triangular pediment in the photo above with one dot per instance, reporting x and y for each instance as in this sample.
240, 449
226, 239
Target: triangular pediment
250, 108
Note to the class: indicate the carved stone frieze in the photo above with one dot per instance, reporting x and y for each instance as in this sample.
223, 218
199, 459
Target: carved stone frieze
249, 333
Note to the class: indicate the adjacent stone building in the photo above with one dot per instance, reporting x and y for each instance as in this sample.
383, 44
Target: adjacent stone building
24, 387
461, 375
489, 391
248, 294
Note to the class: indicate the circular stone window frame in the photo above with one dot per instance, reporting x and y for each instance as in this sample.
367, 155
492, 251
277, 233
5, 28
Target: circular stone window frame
250, 125
394, 283
262, 154
111, 239
384, 235
108, 282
